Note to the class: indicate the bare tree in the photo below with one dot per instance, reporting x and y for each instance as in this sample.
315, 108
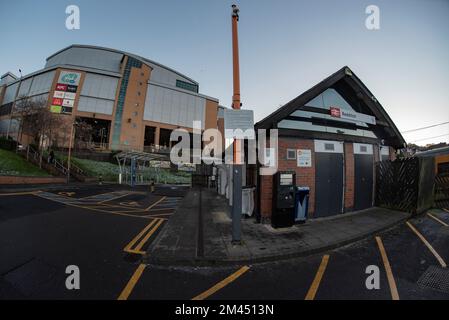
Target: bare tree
37, 121
83, 134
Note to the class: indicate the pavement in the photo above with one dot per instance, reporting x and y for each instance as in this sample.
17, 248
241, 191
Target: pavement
199, 233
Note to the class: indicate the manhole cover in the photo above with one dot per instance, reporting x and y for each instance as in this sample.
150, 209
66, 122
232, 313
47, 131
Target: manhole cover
435, 278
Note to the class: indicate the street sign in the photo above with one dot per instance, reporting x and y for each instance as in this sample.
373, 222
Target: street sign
237, 122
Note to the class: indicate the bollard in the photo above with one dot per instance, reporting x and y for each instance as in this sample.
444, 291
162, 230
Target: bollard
152, 186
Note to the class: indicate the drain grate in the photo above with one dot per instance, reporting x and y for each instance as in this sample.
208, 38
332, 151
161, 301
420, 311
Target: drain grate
435, 278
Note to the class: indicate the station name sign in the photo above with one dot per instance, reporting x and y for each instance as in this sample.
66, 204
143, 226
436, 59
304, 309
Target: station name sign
336, 112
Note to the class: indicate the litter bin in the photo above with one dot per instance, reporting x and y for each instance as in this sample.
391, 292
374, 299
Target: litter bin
301, 204
248, 200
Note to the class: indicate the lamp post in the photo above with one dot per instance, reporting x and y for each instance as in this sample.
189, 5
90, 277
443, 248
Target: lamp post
13, 105
237, 165
69, 157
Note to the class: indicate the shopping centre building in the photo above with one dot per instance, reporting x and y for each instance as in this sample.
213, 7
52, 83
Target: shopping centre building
130, 101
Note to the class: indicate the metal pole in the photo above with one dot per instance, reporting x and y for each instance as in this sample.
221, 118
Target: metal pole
70, 152
13, 105
236, 166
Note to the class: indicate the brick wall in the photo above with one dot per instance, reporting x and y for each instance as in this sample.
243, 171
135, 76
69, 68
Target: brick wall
349, 176
30, 180
304, 176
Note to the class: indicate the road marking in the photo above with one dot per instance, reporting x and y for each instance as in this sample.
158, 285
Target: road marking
117, 197
132, 282
161, 209
390, 277
68, 194
438, 220
146, 233
154, 204
446, 210
223, 283
140, 235
428, 245
87, 208
319, 275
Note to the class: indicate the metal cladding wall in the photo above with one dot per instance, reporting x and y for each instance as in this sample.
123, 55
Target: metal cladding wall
174, 107
94, 58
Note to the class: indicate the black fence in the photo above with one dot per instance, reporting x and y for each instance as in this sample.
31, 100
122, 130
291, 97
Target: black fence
442, 190
405, 184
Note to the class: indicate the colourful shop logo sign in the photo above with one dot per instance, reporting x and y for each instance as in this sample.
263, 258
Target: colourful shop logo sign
70, 78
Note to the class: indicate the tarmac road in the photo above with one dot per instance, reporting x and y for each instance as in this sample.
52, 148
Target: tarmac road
104, 230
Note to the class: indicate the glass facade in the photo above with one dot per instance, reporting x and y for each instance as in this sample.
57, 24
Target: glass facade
187, 86
329, 98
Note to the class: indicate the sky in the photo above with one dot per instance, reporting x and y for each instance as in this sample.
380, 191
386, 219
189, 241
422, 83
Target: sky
286, 47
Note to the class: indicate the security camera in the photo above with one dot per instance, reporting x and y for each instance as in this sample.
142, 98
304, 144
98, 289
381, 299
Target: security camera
235, 11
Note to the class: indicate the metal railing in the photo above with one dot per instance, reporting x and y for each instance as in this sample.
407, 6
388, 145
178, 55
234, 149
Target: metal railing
35, 156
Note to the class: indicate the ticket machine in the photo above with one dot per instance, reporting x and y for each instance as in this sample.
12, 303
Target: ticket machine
283, 199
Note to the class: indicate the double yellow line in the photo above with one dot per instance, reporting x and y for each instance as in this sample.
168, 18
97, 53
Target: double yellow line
143, 236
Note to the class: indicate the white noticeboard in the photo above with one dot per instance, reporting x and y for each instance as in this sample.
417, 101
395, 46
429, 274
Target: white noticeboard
304, 157
237, 122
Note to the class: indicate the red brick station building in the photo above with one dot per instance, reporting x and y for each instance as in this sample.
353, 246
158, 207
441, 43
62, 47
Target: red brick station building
331, 136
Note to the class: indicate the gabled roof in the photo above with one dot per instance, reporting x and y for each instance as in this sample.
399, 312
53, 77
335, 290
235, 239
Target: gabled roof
348, 85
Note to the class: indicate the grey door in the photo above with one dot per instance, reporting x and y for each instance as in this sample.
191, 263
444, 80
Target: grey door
328, 184
363, 181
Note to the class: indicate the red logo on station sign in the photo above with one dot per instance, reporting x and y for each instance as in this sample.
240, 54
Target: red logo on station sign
61, 87
335, 112
57, 102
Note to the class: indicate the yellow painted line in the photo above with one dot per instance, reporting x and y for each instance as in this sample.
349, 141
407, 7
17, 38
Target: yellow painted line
438, 220
161, 209
132, 282
18, 193
446, 210
390, 277
223, 283
148, 235
428, 245
319, 275
158, 214
140, 235
154, 204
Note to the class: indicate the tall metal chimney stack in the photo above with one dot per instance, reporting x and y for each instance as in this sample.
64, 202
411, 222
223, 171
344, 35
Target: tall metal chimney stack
237, 165
235, 58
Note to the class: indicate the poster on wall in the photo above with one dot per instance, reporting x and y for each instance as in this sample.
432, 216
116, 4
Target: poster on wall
304, 157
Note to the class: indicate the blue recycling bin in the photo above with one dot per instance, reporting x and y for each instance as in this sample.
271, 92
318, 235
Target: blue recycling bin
301, 204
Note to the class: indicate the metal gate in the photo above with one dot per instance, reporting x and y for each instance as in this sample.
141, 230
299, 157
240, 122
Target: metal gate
397, 184
442, 190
